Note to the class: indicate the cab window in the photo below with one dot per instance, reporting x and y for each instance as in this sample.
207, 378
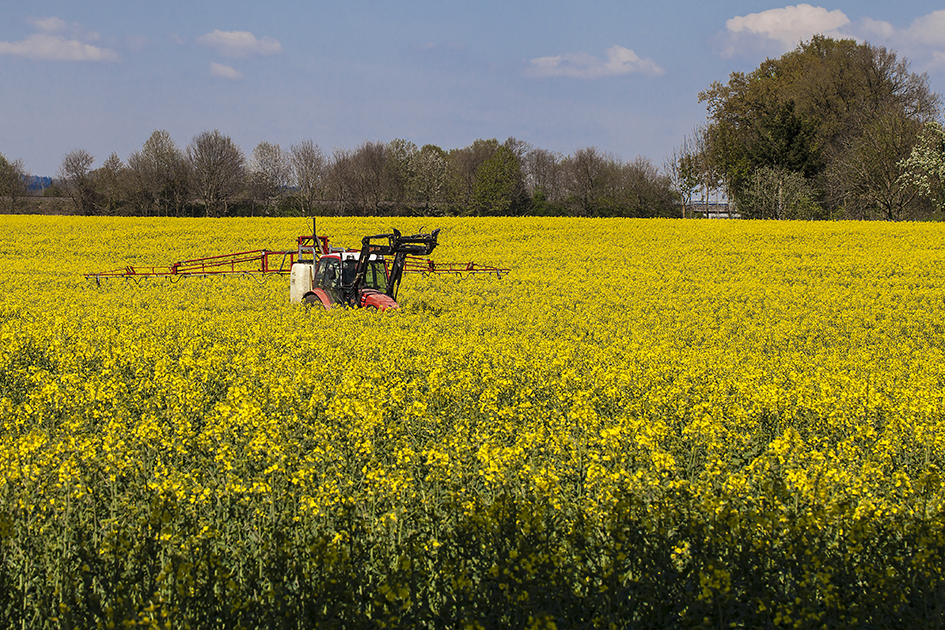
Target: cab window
328, 274
376, 277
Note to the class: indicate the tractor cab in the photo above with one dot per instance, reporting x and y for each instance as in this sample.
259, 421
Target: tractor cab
336, 271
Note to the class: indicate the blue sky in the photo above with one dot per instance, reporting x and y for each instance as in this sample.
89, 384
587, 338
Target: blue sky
620, 76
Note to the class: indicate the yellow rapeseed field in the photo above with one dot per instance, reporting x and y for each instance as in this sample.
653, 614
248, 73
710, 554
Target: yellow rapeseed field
647, 424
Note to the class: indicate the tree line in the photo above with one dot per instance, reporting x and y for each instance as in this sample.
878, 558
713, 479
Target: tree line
832, 129
212, 177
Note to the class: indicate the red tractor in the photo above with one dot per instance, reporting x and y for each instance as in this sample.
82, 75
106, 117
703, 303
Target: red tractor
368, 278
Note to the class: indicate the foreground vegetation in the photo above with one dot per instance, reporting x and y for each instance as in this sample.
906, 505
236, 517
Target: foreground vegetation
648, 424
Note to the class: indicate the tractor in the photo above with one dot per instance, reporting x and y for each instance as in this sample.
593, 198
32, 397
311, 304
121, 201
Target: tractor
368, 278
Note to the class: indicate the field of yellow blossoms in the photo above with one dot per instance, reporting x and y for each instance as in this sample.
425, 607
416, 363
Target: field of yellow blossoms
647, 424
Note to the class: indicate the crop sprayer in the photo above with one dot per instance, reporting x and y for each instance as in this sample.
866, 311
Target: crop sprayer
368, 277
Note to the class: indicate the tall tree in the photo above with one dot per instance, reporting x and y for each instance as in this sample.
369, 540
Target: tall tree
542, 171
341, 180
401, 168
218, 169
587, 175
161, 175
309, 167
798, 112
12, 182
109, 180
499, 188
778, 193
682, 168
269, 171
370, 176
76, 175
430, 176
359, 178
641, 190
464, 163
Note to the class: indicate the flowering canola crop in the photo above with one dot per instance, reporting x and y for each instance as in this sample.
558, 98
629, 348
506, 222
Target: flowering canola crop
646, 424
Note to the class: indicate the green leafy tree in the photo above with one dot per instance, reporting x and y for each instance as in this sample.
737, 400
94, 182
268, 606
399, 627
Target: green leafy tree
806, 109
499, 188
464, 167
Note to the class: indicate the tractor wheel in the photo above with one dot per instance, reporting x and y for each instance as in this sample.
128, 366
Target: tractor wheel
311, 299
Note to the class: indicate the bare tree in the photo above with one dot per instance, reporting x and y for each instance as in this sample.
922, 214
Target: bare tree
12, 182
863, 174
341, 179
684, 169
109, 182
430, 175
308, 166
402, 158
75, 173
218, 169
542, 171
642, 190
587, 175
161, 174
371, 175
269, 174
359, 178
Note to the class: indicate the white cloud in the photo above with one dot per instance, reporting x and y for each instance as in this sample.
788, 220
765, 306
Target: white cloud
239, 43
52, 45
69, 31
929, 29
50, 24
47, 47
776, 31
876, 28
790, 24
938, 60
619, 61
218, 69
